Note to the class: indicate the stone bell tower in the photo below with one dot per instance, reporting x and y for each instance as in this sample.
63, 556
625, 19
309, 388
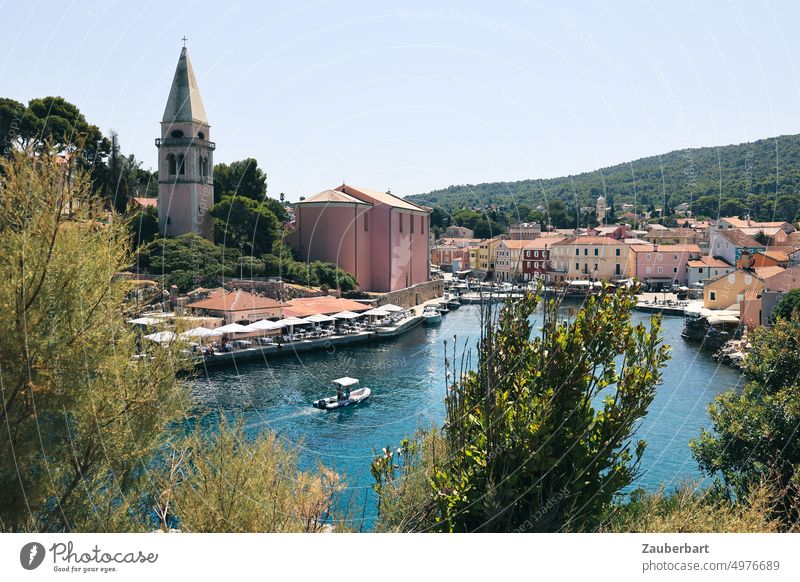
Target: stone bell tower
185, 158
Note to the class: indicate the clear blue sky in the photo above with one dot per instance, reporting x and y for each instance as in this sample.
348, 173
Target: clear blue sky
419, 95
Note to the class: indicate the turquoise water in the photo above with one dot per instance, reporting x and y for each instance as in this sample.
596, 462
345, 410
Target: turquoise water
406, 375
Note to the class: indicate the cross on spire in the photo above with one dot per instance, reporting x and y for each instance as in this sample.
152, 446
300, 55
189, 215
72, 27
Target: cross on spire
184, 39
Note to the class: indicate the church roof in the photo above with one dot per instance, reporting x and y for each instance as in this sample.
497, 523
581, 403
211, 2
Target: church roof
332, 196
376, 197
184, 103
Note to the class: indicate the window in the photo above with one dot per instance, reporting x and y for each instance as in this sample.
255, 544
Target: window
366, 222
748, 279
585, 252
674, 257
577, 252
171, 164
181, 165
617, 269
649, 257
577, 266
422, 225
411, 222
596, 252
712, 295
618, 252
674, 269
660, 256
595, 268
401, 222
176, 133
731, 279
648, 270
661, 269
700, 270
535, 265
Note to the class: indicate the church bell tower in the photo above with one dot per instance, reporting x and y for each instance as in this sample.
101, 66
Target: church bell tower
185, 158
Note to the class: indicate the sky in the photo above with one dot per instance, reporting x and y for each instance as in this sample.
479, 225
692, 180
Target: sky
413, 96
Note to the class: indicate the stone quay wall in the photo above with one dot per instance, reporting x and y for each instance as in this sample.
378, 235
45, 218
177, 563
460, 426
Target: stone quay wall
414, 295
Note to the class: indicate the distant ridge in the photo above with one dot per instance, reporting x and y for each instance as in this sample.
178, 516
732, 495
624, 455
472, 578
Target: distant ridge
753, 176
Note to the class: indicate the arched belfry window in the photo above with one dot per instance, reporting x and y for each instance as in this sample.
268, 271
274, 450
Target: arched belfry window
181, 165
171, 164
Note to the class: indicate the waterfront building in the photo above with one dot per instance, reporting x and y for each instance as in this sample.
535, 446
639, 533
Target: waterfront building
525, 231
726, 291
442, 255
486, 254
704, 268
536, 259
660, 266
185, 158
379, 238
590, 257
237, 307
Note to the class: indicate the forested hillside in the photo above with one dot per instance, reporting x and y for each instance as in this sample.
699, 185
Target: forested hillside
762, 178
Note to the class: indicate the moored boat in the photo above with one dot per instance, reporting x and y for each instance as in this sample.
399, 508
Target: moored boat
347, 393
431, 315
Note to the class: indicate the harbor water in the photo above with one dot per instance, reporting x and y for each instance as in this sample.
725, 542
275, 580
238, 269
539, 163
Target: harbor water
406, 375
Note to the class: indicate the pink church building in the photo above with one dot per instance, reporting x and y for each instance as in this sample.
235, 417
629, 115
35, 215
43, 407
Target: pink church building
382, 240
185, 158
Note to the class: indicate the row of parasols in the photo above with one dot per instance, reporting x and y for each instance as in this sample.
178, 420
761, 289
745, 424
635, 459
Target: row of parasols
264, 325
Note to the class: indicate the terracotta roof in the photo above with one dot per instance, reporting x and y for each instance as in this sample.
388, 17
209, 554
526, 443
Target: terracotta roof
767, 230
376, 197
765, 272
537, 243
326, 305
739, 223
739, 238
235, 301
708, 261
145, 202
786, 280
650, 248
331, 196
752, 294
779, 256
589, 240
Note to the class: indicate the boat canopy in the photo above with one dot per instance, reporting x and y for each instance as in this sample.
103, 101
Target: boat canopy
580, 283
346, 382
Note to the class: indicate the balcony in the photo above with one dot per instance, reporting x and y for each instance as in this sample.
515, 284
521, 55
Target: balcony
184, 142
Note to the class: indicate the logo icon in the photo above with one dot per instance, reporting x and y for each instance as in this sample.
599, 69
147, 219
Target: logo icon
31, 555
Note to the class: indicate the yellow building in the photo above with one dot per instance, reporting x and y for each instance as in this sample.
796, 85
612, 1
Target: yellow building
486, 253
596, 258
726, 291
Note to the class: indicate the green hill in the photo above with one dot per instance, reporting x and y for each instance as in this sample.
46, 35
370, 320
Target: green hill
761, 178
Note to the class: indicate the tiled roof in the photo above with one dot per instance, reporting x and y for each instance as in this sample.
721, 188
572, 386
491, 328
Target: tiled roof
650, 248
326, 305
779, 256
537, 243
771, 271
376, 197
332, 196
145, 202
739, 223
708, 261
739, 238
589, 240
235, 301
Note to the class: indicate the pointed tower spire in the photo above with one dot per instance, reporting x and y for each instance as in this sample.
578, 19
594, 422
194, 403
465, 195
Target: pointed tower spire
184, 103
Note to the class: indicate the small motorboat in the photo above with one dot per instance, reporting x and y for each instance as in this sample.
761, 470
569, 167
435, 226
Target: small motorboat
452, 303
442, 308
347, 393
431, 315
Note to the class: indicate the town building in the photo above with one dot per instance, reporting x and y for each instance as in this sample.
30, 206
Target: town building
704, 268
726, 291
757, 305
590, 257
730, 243
486, 255
660, 266
458, 232
237, 307
536, 259
525, 231
379, 238
185, 158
